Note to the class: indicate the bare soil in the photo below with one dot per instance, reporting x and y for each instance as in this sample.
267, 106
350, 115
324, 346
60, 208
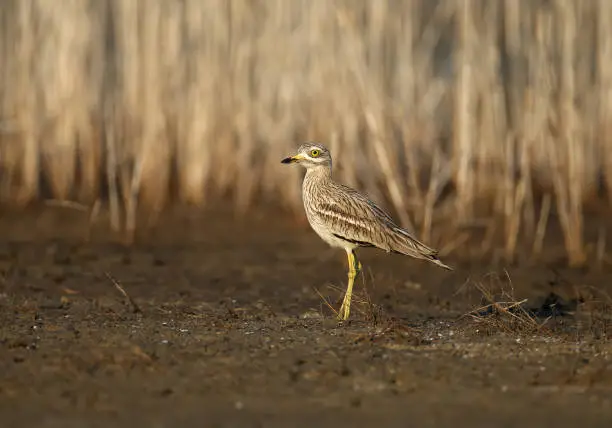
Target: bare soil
229, 327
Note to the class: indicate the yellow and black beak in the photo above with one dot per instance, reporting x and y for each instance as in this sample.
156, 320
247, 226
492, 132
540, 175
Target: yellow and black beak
293, 159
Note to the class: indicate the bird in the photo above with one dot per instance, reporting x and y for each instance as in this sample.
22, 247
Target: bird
346, 218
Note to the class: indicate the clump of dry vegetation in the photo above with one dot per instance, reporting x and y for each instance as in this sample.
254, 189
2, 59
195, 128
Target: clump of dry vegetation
584, 313
362, 304
505, 103
500, 310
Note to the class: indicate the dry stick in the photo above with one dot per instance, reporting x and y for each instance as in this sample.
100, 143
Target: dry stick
462, 287
68, 204
490, 132
111, 173
93, 211
515, 93
413, 174
509, 184
150, 177
326, 301
509, 282
356, 298
109, 122
454, 244
501, 306
408, 92
540, 233
431, 196
375, 124
26, 97
569, 128
511, 27
58, 148
463, 109
604, 86
512, 231
132, 201
135, 308
93, 215
391, 179
368, 301
528, 204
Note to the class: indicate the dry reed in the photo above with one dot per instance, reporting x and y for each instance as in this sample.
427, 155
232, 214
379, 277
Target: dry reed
131, 100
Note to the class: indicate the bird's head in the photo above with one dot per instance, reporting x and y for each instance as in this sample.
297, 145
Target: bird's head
311, 155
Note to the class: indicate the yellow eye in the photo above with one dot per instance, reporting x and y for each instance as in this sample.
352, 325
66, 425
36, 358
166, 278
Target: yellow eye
315, 153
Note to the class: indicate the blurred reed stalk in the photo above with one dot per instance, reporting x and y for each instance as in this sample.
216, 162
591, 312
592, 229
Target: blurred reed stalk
146, 102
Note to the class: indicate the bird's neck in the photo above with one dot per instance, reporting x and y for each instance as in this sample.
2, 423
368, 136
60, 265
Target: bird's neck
318, 174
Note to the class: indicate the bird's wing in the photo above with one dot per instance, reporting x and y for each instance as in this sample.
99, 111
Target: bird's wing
351, 216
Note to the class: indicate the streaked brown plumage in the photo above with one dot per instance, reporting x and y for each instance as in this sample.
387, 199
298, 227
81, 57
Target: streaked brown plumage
345, 218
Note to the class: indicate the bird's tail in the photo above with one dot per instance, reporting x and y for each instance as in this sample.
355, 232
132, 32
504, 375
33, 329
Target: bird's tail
405, 243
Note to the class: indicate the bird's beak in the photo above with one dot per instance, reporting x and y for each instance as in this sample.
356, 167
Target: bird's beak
293, 159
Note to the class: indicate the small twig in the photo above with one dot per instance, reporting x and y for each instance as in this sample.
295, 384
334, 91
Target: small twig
326, 302
541, 227
135, 308
462, 286
356, 298
93, 215
67, 204
131, 201
500, 307
93, 211
454, 244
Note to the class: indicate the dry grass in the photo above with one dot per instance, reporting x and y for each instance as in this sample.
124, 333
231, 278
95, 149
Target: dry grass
143, 101
501, 311
585, 315
362, 306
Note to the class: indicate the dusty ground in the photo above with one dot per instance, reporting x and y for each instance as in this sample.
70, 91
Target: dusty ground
233, 333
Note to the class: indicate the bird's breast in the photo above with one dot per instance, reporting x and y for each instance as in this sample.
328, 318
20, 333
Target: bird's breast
320, 226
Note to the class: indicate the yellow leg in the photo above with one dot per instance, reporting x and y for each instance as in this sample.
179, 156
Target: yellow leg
354, 269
